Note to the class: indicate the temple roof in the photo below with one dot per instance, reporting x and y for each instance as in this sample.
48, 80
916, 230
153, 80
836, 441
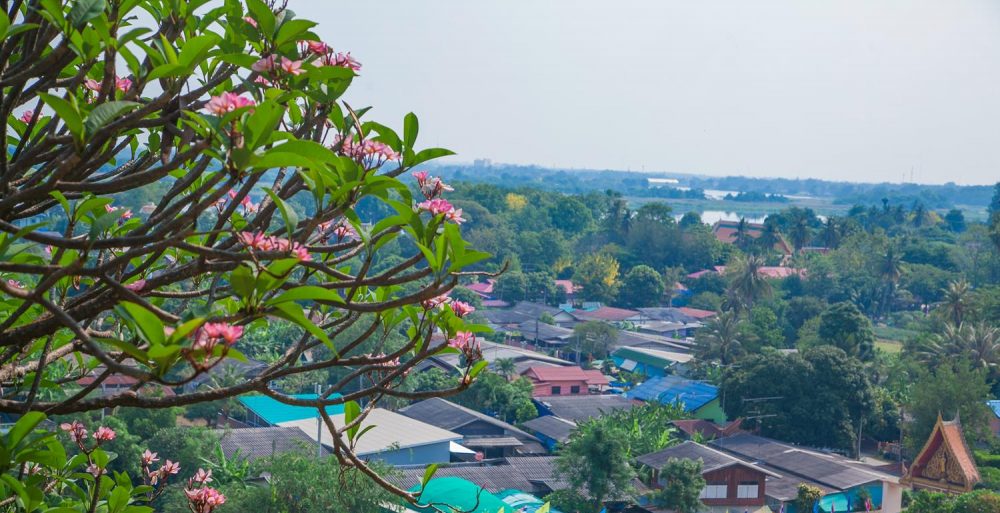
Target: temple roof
945, 460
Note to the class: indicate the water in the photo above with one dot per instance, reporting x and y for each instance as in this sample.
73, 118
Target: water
712, 216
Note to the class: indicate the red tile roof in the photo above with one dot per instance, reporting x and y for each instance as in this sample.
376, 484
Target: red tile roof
697, 313
699, 274
550, 374
947, 436
725, 231
606, 313
482, 287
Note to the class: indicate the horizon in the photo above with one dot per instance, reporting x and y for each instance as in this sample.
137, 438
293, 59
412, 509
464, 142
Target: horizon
847, 91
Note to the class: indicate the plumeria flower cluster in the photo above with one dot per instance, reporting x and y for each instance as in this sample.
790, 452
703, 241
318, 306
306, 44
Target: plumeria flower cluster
157, 478
78, 433
459, 308
201, 497
27, 116
126, 214
248, 205
121, 84
227, 102
340, 231
263, 242
432, 187
211, 334
370, 154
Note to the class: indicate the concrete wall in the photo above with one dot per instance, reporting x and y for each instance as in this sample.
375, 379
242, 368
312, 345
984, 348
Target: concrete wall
892, 497
422, 455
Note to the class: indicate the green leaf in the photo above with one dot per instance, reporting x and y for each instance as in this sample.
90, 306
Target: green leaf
410, 129
265, 17
66, 112
429, 154
149, 325
428, 474
23, 426
262, 123
477, 368
105, 113
307, 293
352, 410
169, 69
293, 312
102, 223
291, 29
84, 11
242, 280
287, 212
196, 48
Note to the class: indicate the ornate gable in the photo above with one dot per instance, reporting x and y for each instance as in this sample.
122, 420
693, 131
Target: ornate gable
945, 463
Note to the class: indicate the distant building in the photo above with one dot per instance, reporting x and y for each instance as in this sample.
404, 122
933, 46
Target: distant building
570, 316
265, 442
730, 482
706, 429
945, 464
995, 418
698, 398
581, 408
551, 430
265, 411
842, 480
652, 362
553, 381
492, 437
727, 232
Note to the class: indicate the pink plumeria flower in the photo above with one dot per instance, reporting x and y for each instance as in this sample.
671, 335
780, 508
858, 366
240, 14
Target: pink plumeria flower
227, 102
462, 340
436, 206
92, 84
343, 60
148, 458
27, 116
345, 231
94, 470
436, 301
461, 308
123, 84
202, 476
301, 252
108, 208
291, 67
136, 285
317, 47
263, 81
104, 434
75, 429
251, 21
455, 216
204, 500
222, 330
264, 65
15, 284
127, 214
169, 467
421, 177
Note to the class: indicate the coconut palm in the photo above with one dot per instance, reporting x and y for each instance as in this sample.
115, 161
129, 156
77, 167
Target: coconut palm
504, 367
982, 346
956, 301
720, 339
748, 284
890, 270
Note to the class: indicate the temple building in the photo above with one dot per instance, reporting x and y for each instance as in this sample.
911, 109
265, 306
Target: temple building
945, 464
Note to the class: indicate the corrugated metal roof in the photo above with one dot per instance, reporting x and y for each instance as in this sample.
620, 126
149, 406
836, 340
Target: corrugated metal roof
256, 443
553, 427
391, 430
578, 408
275, 412
448, 415
672, 389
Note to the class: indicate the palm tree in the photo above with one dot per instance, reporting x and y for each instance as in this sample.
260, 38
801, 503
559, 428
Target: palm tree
982, 346
742, 234
800, 232
956, 300
720, 339
890, 270
504, 367
748, 284
831, 233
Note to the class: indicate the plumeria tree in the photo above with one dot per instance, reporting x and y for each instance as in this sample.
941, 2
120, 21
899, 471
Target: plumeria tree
230, 118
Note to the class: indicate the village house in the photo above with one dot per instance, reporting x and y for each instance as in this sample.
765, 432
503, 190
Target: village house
698, 398
729, 481
553, 381
491, 437
945, 463
728, 232
652, 361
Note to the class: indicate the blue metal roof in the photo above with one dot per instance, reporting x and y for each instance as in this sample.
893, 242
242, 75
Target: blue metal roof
274, 412
673, 389
995, 406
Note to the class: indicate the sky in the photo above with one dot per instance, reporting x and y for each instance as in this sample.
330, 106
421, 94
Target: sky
851, 90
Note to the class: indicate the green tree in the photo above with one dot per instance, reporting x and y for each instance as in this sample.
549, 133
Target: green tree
956, 301
719, 339
979, 501
507, 400
807, 497
595, 338
844, 326
746, 284
682, 485
595, 464
597, 275
642, 286
504, 367
951, 390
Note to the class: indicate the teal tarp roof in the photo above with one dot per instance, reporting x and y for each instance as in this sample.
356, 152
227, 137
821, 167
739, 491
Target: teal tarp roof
460, 494
274, 412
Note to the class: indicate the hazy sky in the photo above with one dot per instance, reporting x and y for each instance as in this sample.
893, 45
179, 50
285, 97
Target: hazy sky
860, 90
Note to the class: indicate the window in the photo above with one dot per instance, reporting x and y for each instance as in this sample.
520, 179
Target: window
556, 390
575, 389
714, 491
747, 490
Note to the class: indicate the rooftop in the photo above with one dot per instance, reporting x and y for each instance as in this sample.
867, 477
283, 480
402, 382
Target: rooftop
652, 357
276, 412
389, 431
712, 459
459, 495
583, 407
552, 427
552, 374
264, 442
603, 313
448, 415
689, 393
707, 428
533, 474
521, 312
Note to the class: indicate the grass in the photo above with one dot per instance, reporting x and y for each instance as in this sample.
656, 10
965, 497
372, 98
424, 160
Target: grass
889, 346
